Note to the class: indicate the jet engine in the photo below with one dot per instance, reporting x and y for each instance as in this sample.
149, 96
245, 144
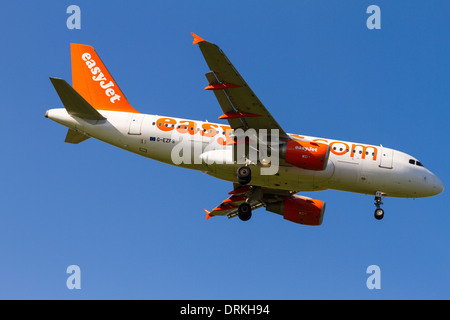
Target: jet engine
306, 154
299, 209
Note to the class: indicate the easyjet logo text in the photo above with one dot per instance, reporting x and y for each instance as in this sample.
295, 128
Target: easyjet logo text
310, 149
207, 129
100, 78
341, 148
225, 137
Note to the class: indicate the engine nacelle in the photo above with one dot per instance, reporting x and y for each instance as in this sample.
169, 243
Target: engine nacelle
300, 210
306, 154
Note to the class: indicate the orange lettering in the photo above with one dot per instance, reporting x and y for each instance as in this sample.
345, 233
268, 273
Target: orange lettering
187, 126
339, 153
209, 130
364, 150
228, 139
323, 140
166, 124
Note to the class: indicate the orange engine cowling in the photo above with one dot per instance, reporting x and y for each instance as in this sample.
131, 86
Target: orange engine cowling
300, 210
306, 154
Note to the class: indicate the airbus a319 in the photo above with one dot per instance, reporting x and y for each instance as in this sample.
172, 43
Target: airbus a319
266, 165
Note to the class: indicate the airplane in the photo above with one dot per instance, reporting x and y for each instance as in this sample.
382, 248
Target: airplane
266, 165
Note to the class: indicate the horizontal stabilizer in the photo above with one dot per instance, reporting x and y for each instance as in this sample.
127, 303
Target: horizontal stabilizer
74, 103
75, 137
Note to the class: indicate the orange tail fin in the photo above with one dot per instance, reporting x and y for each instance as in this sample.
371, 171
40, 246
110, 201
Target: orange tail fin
94, 83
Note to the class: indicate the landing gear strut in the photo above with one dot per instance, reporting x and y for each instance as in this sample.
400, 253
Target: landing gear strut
379, 213
244, 175
245, 211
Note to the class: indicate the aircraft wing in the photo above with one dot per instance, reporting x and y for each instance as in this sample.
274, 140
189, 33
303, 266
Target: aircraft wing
240, 105
259, 198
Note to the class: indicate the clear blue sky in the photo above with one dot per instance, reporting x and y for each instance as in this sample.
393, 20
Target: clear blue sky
136, 227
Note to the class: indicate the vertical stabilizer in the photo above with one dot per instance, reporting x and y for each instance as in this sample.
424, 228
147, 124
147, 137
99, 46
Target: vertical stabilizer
93, 82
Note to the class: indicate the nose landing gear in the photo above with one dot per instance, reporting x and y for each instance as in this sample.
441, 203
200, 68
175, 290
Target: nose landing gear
379, 213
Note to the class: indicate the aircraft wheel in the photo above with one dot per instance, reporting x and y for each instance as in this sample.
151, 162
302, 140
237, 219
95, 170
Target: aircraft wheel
244, 175
379, 214
244, 211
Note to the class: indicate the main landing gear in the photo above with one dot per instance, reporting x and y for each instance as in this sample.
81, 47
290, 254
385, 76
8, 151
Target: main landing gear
244, 175
245, 211
379, 213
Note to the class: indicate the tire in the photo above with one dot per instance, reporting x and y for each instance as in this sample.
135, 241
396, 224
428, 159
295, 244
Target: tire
244, 211
244, 175
379, 214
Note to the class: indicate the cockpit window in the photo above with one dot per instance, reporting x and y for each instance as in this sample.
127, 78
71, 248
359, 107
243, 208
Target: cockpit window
417, 163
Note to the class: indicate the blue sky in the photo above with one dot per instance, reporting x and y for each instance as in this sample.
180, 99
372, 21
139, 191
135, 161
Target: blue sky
136, 227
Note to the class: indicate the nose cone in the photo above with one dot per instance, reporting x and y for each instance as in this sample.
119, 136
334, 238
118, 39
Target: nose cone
427, 185
438, 186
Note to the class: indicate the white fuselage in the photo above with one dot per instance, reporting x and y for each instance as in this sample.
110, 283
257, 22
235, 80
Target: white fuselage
353, 167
